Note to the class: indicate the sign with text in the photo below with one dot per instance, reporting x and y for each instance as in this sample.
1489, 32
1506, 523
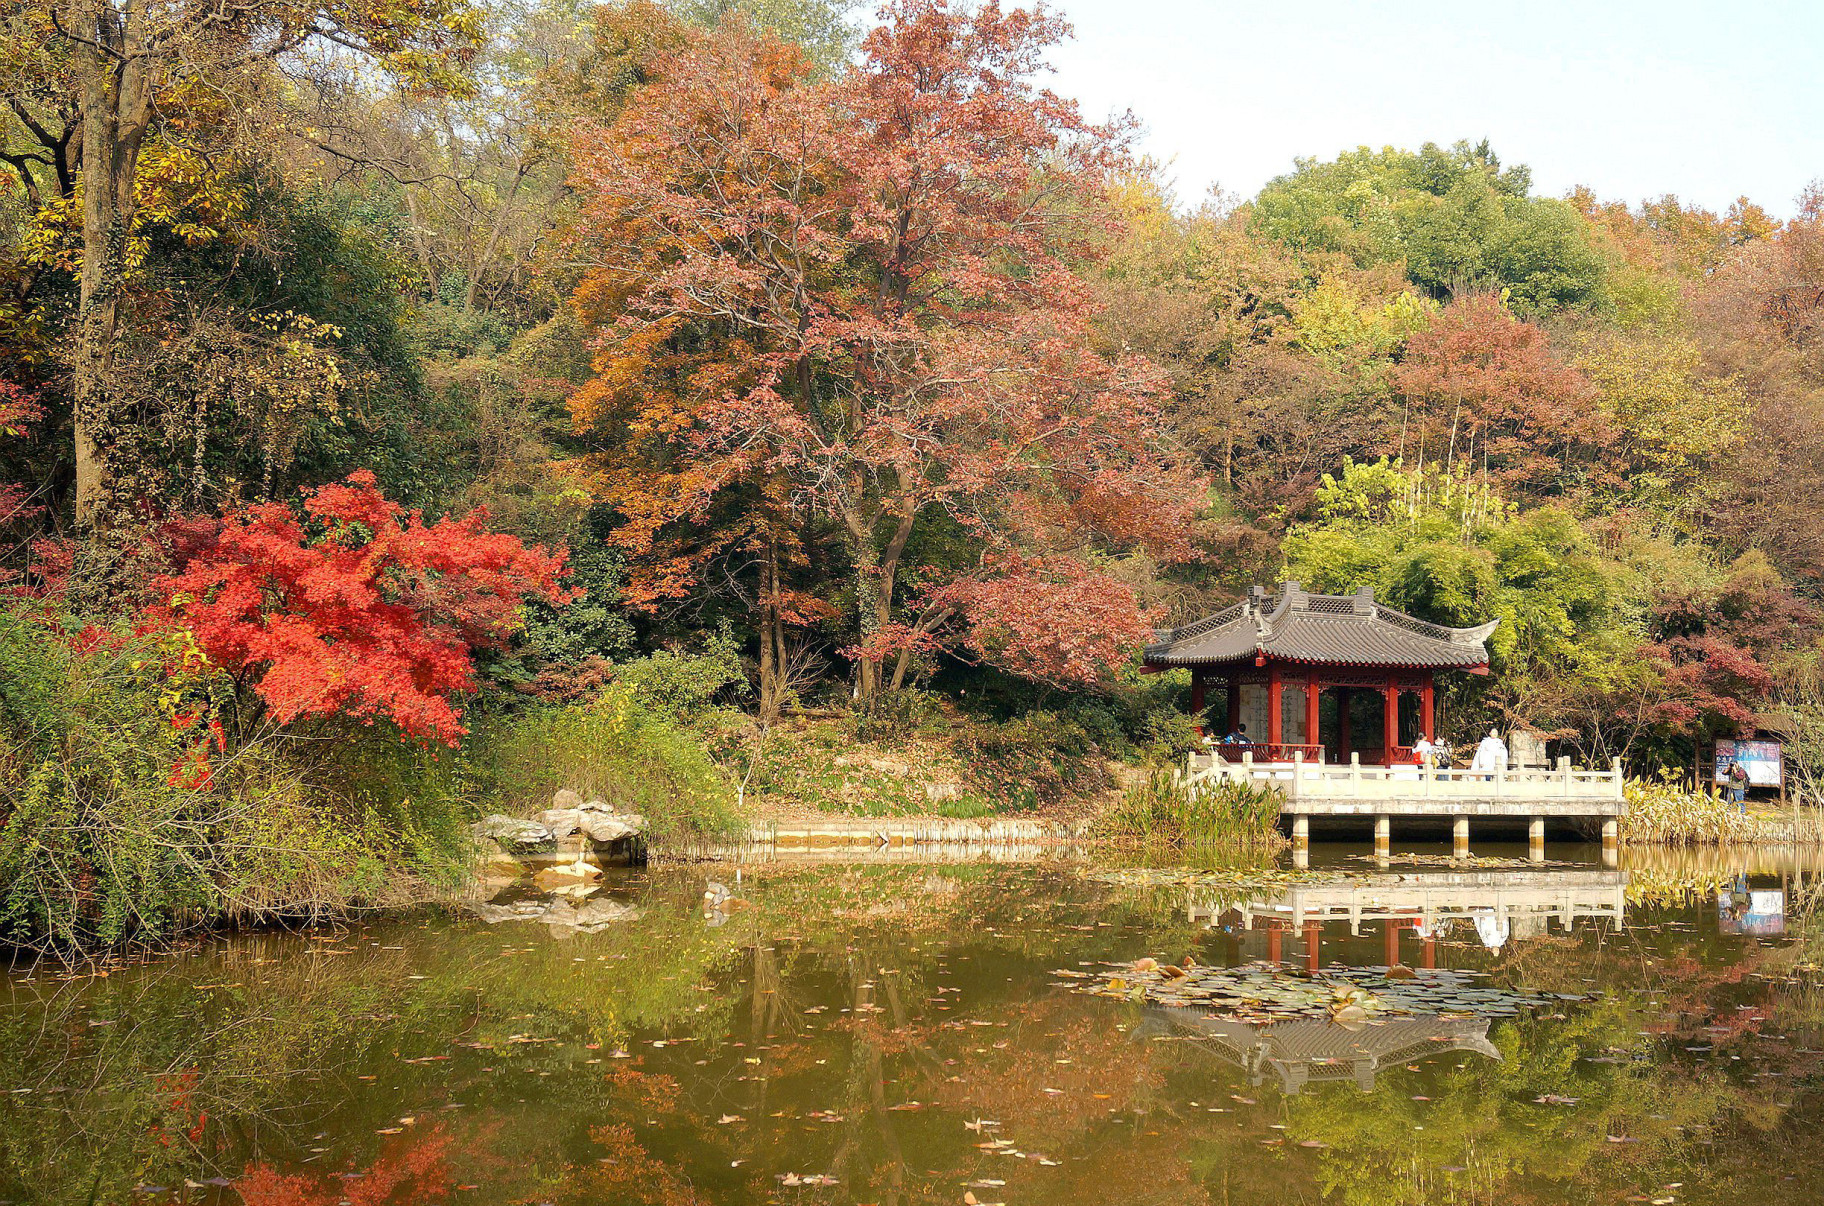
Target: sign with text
1761, 759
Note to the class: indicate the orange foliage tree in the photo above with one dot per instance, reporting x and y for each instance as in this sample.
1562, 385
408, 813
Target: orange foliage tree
854, 303
1484, 387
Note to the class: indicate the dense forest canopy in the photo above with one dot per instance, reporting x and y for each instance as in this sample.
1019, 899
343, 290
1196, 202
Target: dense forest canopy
841, 341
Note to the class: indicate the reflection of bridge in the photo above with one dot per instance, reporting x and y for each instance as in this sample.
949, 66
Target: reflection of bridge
1501, 903
1429, 897
1303, 1050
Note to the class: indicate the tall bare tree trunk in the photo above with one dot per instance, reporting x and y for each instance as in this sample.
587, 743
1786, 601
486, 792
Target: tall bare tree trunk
772, 668
116, 110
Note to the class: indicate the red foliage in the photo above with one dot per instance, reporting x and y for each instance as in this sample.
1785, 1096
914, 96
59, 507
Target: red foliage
1485, 386
414, 1172
1056, 621
362, 609
885, 324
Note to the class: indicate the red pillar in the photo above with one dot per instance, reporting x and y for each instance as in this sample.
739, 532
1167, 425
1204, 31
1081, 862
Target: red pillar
1427, 717
1342, 724
1234, 702
1390, 722
1273, 708
1311, 715
1197, 697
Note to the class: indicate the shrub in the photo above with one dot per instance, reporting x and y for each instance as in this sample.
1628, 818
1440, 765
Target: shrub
615, 749
1162, 807
119, 824
680, 684
894, 716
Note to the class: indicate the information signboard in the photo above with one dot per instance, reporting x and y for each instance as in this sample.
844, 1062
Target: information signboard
1761, 759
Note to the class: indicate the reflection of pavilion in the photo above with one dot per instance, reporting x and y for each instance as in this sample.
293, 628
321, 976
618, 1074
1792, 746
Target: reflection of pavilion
1504, 903
1301, 1051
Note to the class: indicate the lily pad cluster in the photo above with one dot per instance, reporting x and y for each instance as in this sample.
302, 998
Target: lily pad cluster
1263, 992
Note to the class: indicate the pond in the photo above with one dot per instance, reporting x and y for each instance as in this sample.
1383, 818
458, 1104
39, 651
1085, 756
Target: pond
967, 1032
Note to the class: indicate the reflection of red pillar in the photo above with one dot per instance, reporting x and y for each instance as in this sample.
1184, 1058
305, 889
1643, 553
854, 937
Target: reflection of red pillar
1390, 936
1431, 953
1311, 941
1273, 942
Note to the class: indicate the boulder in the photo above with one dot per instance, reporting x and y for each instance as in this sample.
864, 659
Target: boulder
605, 827
565, 798
562, 822
512, 831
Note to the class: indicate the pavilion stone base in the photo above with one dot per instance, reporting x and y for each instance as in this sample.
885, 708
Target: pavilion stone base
1506, 819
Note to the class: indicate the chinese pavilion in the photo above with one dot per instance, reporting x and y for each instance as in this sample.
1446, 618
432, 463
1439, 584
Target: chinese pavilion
1309, 675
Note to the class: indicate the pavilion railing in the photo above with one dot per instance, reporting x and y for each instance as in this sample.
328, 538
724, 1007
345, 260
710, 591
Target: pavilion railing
1261, 751
1300, 777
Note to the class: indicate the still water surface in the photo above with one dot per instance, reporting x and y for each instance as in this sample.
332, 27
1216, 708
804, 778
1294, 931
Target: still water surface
902, 1033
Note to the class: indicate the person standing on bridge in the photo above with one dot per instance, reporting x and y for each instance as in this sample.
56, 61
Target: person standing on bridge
1491, 755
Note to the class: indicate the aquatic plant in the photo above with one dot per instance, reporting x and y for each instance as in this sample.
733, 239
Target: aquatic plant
1665, 811
1162, 807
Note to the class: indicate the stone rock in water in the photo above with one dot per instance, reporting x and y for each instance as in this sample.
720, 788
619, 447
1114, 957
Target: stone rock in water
512, 831
565, 798
567, 873
562, 822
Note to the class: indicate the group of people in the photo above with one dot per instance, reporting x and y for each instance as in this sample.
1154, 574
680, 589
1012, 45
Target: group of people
1490, 755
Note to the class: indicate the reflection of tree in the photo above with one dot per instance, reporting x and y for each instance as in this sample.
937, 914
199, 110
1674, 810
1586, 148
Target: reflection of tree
411, 1171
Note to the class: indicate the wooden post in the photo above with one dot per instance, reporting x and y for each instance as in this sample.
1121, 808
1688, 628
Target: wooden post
1273, 706
1234, 703
1343, 748
1427, 707
1390, 723
1312, 721
1197, 697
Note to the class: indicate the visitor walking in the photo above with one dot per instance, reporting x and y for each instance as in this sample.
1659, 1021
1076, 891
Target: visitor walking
1491, 755
1738, 786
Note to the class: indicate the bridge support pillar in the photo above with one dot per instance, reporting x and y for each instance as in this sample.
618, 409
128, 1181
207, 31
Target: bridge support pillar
1611, 841
1383, 836
1301, 832
1459, 837
1535, 840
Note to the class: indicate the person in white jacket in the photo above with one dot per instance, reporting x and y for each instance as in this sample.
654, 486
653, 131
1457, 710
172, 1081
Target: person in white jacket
1491, 755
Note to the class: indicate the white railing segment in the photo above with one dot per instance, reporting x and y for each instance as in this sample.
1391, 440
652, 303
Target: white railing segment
1300, 780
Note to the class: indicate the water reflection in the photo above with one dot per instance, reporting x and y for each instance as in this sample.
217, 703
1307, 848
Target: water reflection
894, 1034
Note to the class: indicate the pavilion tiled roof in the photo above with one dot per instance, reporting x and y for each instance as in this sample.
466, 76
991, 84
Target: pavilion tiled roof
1295, 625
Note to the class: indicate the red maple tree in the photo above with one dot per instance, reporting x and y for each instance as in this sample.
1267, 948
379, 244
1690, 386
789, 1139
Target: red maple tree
359, 609
856, 300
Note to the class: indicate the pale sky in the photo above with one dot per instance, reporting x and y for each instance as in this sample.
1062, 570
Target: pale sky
1636, 99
